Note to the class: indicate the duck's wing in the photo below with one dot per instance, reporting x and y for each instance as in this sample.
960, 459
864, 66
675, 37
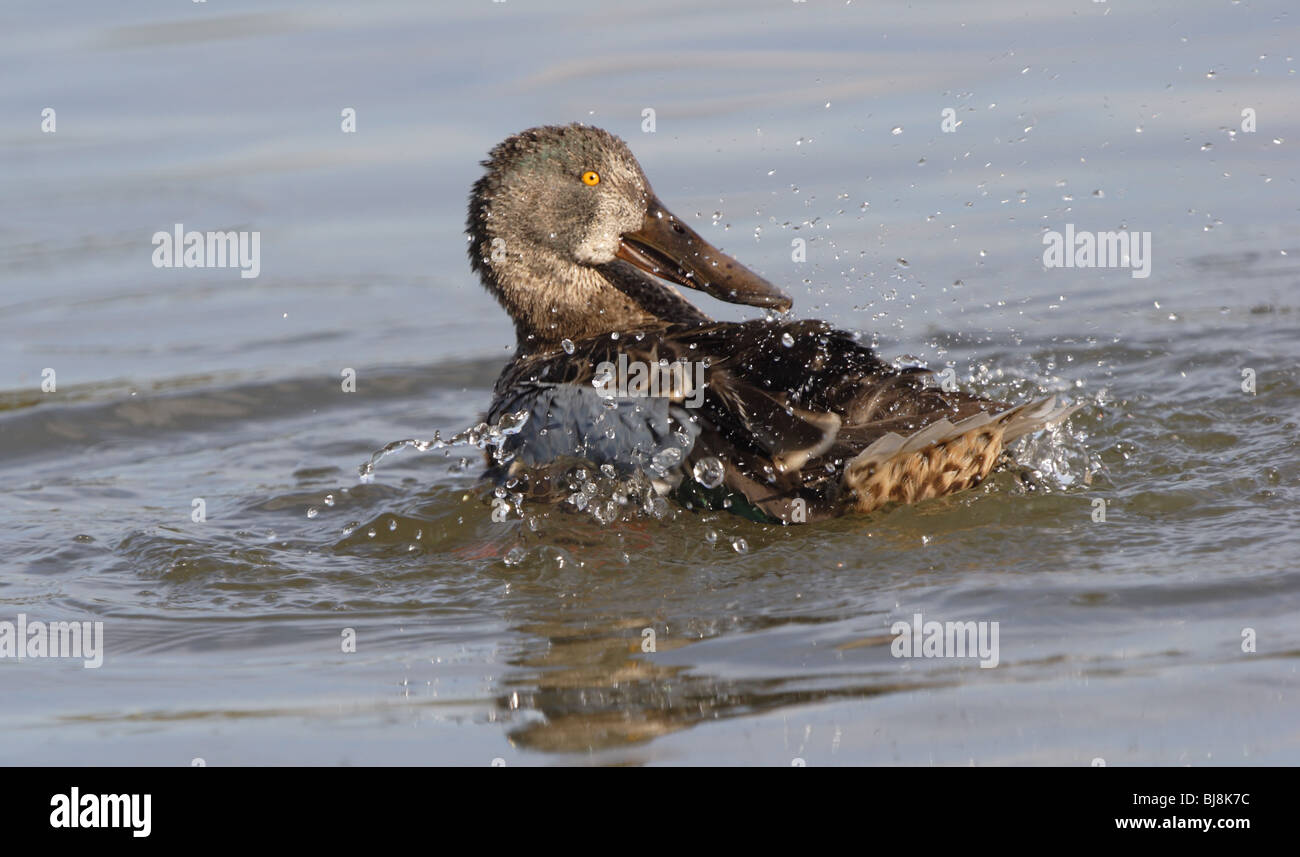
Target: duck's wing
887, 434
791, 402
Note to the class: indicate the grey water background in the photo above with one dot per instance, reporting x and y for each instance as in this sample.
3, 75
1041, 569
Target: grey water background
477, 640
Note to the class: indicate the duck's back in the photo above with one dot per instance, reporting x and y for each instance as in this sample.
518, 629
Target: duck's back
797, 420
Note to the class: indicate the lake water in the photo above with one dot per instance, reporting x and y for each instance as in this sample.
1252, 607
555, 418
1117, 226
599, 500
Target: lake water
1122, 640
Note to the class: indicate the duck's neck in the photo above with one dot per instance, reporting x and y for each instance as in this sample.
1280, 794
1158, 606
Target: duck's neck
551, 300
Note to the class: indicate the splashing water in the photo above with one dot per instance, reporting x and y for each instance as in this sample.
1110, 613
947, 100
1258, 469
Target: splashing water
1060, 456
483, 436
609, 498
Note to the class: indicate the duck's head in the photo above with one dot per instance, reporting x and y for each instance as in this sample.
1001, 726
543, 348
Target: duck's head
568, 235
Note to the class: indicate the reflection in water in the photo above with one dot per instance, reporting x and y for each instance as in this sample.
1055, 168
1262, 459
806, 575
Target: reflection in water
592, 688
597, 689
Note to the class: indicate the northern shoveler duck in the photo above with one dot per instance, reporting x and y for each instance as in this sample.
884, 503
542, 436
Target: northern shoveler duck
776, 419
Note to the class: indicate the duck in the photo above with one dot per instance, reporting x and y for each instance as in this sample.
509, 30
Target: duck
778, 419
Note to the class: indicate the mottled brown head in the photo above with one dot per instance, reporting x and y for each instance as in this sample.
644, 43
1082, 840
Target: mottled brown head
562, 226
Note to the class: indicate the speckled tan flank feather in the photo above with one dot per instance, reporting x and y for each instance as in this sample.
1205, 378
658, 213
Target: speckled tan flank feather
942, 458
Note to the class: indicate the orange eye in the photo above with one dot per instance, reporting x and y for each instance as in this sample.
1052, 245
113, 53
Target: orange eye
591, 177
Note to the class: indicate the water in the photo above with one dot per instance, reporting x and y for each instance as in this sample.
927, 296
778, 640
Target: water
523, 640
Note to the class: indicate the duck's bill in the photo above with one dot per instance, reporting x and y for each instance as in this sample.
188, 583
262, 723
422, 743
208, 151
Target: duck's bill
668, 248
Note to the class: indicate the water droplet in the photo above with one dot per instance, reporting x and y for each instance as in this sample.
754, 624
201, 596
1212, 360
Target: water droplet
740, 546
567, 345
514, 556
896, 130
787, 340
709, 471
313, 512
666, 459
